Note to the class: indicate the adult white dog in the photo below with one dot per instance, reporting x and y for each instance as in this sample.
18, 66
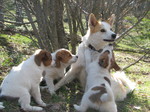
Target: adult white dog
23, 80
98, 35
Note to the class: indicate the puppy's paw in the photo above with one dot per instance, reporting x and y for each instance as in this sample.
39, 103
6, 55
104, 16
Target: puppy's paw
43, 104
52, 92
1, 105
32, 108
76, 107
35, 108
43, 87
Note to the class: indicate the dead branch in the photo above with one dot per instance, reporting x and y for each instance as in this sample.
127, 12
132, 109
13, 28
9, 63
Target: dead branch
20, 23
129, 29
136, 61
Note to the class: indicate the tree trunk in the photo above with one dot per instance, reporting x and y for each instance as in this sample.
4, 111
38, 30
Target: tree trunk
59, 24
19, 17
1, 15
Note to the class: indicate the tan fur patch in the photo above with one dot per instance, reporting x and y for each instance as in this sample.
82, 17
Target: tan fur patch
114, 64
43, 56
111, 20
104, 60
95, 28
107, 79
95, 98
94, 25
62, 56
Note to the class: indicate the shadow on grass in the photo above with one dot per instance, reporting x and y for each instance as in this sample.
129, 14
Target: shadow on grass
133, 103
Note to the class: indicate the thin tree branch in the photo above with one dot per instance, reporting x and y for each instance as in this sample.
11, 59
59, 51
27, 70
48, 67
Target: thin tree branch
136, 61
137, 43
20, 23
129, 29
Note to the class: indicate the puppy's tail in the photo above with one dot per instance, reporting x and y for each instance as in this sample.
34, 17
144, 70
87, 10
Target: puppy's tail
108, 95
1, 103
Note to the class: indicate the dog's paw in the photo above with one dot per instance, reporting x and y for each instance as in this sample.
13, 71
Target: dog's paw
1, 105
35, 108
32, 108
43, 104
76, 107
52, 92
43, 87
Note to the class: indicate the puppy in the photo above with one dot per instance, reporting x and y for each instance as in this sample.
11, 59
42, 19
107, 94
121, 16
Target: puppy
63, 59
23, 80
98, 35
98, 93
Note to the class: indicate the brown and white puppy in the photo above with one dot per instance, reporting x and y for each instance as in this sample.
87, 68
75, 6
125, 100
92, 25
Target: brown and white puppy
63, 59
98, 93
23, 80
98, 35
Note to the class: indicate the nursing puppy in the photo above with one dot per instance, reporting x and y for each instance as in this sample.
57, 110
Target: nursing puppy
98, 35
63, 59
98, 93
23, 80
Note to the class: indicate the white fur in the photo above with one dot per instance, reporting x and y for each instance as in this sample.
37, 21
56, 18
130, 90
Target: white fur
1, 105
23, 82
95, 78
78, 69
121, 85
56, 73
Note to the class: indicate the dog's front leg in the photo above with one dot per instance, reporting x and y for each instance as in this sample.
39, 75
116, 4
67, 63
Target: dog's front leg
87, 56
37, 95
69, 76
50, 84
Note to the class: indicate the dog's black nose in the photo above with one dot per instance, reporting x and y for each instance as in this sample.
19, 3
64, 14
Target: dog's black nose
76, 56
113, 36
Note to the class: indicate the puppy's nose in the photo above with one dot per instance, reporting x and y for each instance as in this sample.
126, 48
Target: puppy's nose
76, 56
113, 36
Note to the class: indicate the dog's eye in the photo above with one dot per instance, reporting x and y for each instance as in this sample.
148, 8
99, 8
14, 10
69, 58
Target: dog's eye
103, 30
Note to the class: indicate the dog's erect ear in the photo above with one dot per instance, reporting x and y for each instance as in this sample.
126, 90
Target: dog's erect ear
43, 56
104, 59
111, 20
114, 64
92, 20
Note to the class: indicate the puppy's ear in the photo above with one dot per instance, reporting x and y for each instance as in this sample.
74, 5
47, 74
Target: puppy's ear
104, 59
114, 64
58, 60
92, 20
47, 59
111, 20
43, 56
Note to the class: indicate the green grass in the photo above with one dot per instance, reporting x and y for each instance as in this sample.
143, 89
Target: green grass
16, 48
